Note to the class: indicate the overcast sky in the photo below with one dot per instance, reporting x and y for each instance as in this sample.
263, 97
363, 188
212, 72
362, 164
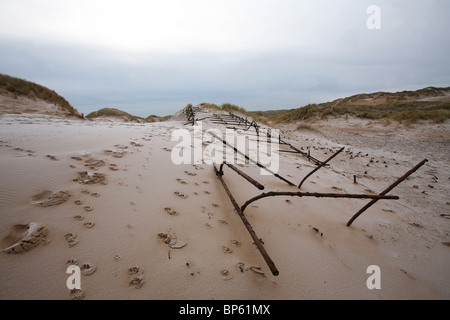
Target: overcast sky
154, 57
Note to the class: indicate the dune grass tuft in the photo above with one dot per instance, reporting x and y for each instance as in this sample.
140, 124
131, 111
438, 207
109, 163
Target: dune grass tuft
20, 87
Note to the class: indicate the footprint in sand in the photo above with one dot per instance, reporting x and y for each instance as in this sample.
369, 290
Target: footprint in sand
89, 224
88, 268
236, 243
116, 154
225, 274
241, 266
136, 144
226, 249
51, 157
136, 277
78, 202
171, 211
78, 217
71, 239
180, 194
72, 262
190, 173
47, 198
24, 237
94, 164
88, 208
171, 240
77, 294
181, 181
85, 177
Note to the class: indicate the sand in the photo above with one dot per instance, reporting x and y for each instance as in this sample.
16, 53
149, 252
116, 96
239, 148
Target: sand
139, 227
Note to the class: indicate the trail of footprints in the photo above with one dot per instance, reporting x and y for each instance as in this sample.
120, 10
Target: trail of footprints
135, 273
23, 238
20, 151
36, 236
170, 239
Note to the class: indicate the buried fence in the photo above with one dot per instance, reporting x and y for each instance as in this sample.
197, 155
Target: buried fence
231, 121
240, 209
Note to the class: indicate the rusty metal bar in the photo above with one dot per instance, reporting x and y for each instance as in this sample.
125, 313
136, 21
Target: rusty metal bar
251, 160
250, 230
307, 155
317, 195
392, 186
219, 118
288, 151
320, 166
242, 174
255, 125
219, 122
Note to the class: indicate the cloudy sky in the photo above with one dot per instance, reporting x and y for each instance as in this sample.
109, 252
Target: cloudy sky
154, 57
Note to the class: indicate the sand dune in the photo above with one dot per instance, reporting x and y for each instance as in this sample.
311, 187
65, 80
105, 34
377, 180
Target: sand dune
141, 227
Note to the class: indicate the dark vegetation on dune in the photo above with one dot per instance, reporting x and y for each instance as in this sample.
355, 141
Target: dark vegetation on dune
113, 112
19, 87
406, 106
403, 107
16, 87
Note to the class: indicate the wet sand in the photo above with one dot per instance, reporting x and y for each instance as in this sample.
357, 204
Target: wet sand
140, 227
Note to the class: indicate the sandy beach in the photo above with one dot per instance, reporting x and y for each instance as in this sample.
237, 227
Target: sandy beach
106, 196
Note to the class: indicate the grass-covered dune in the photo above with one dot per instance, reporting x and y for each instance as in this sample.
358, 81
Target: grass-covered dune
432, 104
16, 87
113, 112
125, 116
428, 104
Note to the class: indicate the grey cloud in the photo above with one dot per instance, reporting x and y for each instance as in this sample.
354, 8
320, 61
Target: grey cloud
411, 51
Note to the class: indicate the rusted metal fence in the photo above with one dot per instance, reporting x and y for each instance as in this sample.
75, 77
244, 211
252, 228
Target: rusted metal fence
235, 122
